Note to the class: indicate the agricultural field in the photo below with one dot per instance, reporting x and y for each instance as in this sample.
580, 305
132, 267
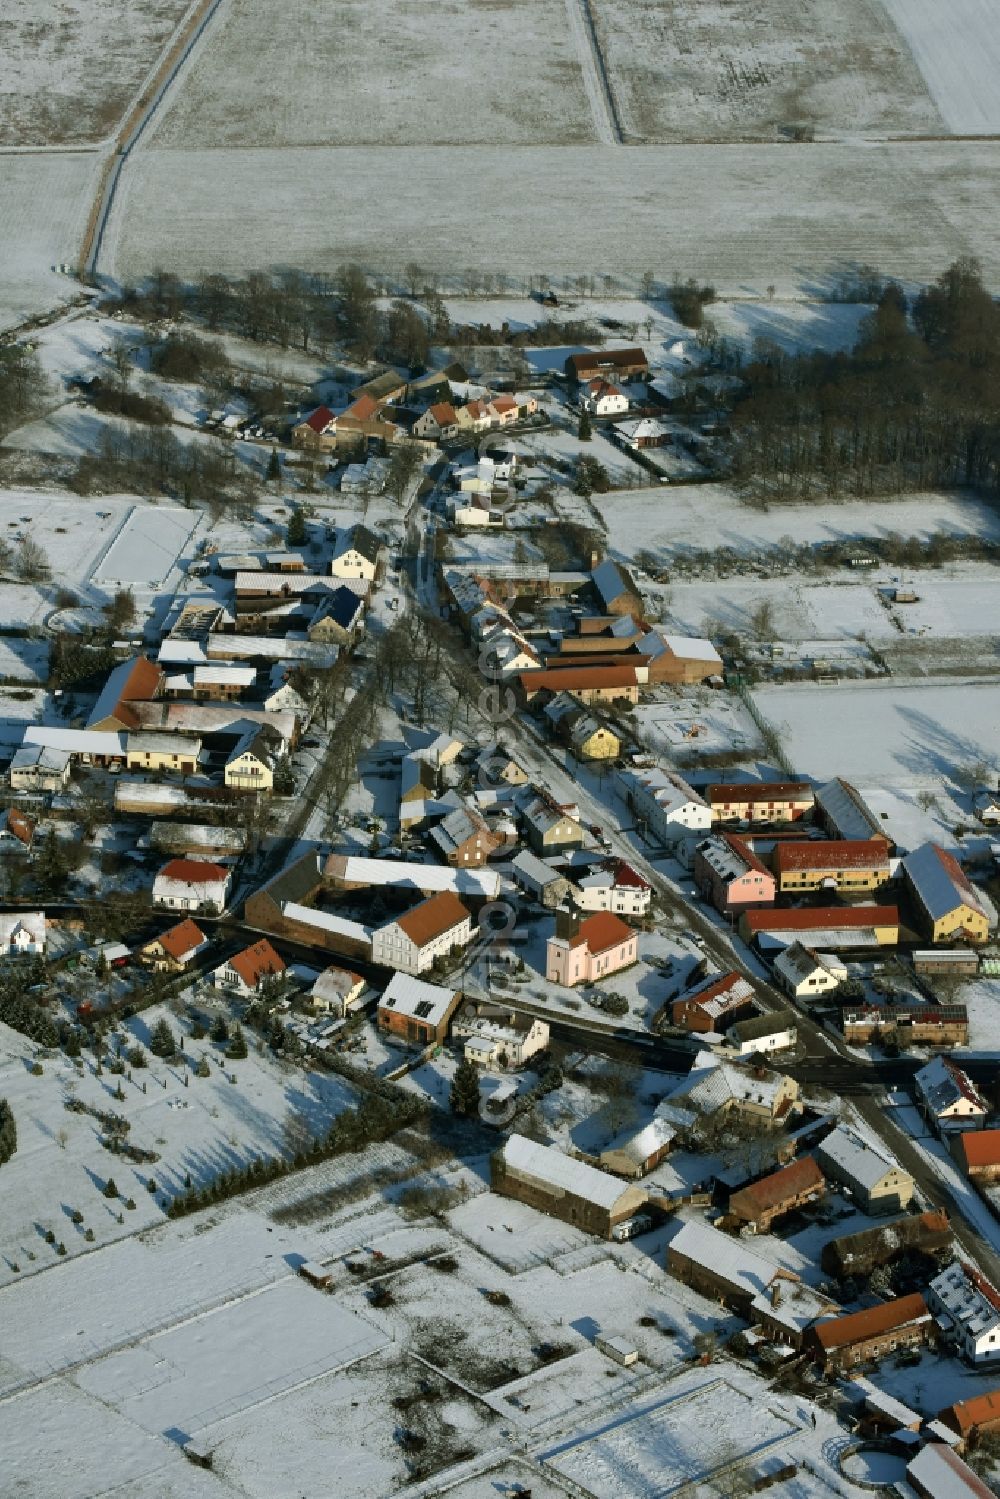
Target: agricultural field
748, 217
71, 69
46, 199
684, 70
957, 50
376, 72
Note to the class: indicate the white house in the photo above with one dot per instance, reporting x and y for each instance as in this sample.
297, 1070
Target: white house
614, 886
337, 991
22, 932
495, 1036
969, 1307
948, 1097
39, 767
762, 1033
666, 803
192, 885
804, 973
246, 971
357, 555
601, 398
433, 929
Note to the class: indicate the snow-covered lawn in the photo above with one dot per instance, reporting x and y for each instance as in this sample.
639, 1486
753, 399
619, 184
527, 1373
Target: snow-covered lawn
957, 50
147, 548
840, 67
903, 736
381, 74
982, 997
46, 198
753, 216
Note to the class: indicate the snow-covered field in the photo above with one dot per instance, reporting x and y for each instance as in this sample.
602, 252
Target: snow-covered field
903, 736
70, 70
957, 49
702, 517
146, 548
753, 216
734, 75
45, 198
381, 73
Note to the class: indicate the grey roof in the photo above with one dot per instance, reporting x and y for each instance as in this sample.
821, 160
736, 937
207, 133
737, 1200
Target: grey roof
730, 1259
939, 888
857, 1159
612, 581
535, 870
848, 812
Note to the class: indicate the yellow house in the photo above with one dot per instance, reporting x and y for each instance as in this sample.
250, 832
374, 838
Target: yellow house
251, 765
594, 741
949, 906
843, 865
162, 752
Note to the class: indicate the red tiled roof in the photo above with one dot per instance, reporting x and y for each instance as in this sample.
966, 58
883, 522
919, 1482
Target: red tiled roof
362, 409
759, 791
20, 827
625, 875
836, 854
604, 358
980, 1410
319, 419
857, 1327
603, 930
439, 913
194, 872
780, 1187
256, 962
503, 403
581, 678
817, 918
717, 989
443, 413
958, 876
742, 850
180, 940
980, 1147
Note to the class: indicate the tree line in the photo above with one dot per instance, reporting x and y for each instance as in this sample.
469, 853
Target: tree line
915, 403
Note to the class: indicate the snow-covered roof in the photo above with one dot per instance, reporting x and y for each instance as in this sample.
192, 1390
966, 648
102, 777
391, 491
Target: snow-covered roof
535, 869
550, 1166
669, 791
640, 1144
793, 1304
712, 1084
691, 648
859, 1159
845, 808
161, 744
75, 741
967, 1298
338, 926
413, 875
417, 999
798, 963
730, 1259
886, 1404
939, 1473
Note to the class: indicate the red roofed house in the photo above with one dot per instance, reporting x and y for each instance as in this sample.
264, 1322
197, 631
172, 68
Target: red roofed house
971, 1419
433, 929
173, 950
843, 865
192, 885
864, 1337
581, 952
17, 829
614, 886
317, 430
246, 971
726, 869
714, 1004
760, 801
978, 1151
762, 1202
590, 684
827, 926
604, 399
624, 364
439, 420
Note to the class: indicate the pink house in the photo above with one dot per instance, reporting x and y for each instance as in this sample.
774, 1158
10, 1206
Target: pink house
729, 873
583, 951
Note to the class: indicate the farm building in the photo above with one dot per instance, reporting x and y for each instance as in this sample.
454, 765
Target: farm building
973, 1418
865, 1337
759, 1204
721, 1268
554, 1183
945, 962
844, 814
616, 589
591, 684
874, 1176
584, 951
760, 801
818, 865
318, 430
153, 752
978, 1153
949, 905
37, 767
639, 1151
416, 1012
352, 872
835, 927
130, 682
916, 1024
859, 1253
540, 880
678, 660
729, 873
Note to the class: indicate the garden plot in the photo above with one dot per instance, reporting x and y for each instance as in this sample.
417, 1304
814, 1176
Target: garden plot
901, 736
214, 1366
198, 1129
983, 1000
688, 70
657, 1447
958, 52
70, 70
380, 72
753, 216
46, 197
147, 548
689, 518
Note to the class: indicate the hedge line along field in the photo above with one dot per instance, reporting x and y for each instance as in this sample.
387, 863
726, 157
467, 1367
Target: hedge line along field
742, 217
380, 72
70, 67
704, 70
